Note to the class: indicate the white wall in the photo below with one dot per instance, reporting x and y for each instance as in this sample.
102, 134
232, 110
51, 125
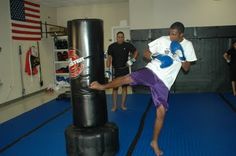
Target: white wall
161, 13
111, 14
11, 87
6, 58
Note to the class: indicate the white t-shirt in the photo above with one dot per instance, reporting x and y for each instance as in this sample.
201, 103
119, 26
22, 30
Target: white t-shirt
162, 46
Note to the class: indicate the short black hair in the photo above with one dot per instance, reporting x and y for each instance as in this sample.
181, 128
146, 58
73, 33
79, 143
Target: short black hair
120, 32
179, 26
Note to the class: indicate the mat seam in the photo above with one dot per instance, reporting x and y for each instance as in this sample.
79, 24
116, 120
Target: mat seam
227, 102
140, 130
33, 130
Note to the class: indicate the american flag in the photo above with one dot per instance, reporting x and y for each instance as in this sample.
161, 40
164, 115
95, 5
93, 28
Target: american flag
25, 20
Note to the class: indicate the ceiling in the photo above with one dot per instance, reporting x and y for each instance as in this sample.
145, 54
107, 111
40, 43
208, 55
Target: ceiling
64, 3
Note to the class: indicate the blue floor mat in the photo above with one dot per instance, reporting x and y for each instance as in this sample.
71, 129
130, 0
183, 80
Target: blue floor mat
128, 121
46, 141
199, 124
195, 125
15, 128
49, 140
231, 99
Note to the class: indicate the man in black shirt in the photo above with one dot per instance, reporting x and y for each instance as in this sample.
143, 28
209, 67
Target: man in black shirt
118, 54
230, 57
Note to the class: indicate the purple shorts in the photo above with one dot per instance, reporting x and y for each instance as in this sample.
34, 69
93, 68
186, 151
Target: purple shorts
158, 89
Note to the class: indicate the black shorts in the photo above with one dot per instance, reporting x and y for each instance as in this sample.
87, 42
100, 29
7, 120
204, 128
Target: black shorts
117, 72
232, 74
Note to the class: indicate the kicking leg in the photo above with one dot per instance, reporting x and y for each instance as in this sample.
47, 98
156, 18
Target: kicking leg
113, 84
160, 116
114, 99
233, 88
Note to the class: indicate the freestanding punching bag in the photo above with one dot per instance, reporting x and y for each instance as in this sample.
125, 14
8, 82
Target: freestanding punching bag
85, 38
90, 134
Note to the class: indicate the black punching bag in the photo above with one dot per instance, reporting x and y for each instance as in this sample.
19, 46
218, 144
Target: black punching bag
85, 38
90, 134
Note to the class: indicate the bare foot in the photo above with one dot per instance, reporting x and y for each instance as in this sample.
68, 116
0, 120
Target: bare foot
114, 108
156, 149
123, 108
96, 85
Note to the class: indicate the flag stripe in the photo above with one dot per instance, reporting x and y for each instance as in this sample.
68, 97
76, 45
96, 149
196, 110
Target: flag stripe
25, 26
32, 21
32, 10
27, 35
26, 32
26, 23
32, 4
26, 38
32, 15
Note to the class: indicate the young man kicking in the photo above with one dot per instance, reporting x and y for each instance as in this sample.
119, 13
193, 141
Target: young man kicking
167, 55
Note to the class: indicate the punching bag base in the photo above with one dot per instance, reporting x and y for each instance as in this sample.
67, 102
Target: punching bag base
97, 141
